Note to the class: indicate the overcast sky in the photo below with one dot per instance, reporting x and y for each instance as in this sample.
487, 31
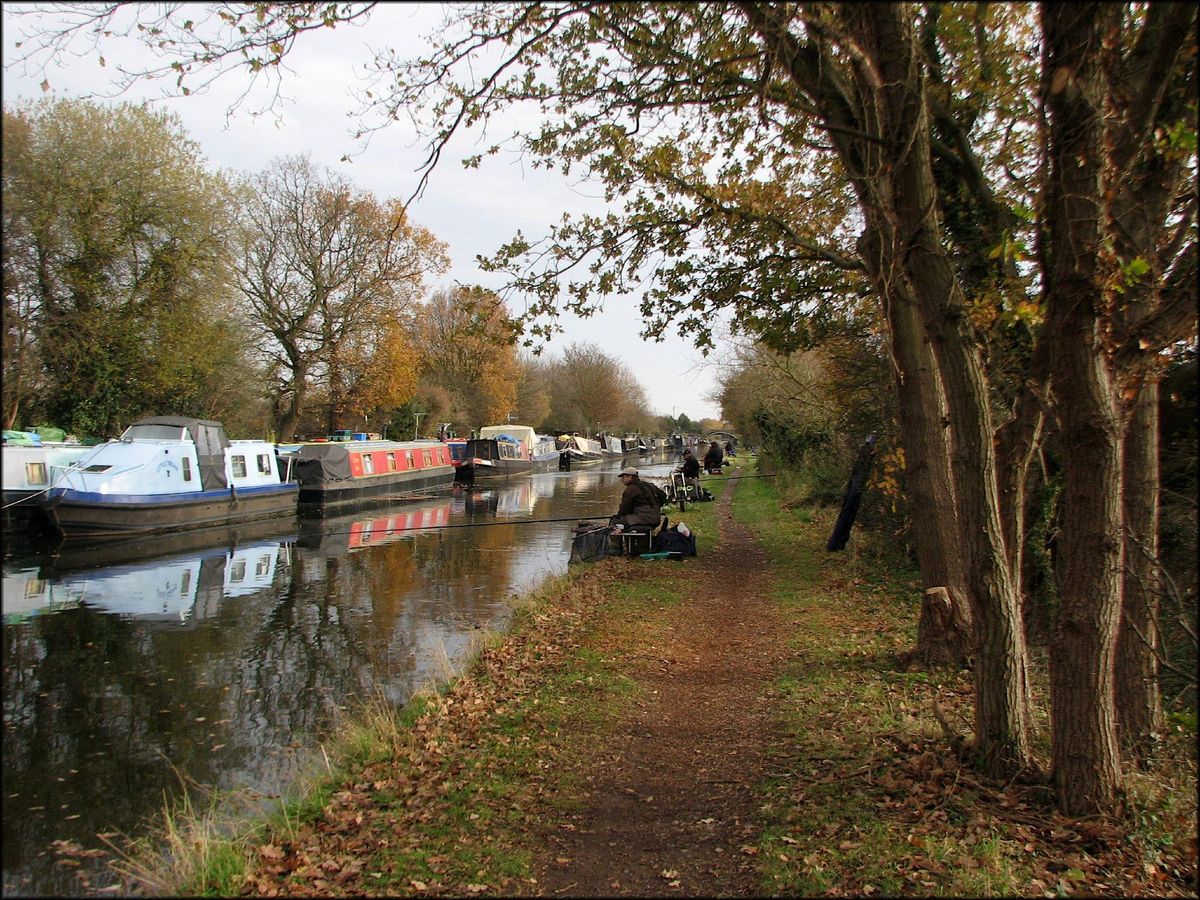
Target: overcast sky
473, 211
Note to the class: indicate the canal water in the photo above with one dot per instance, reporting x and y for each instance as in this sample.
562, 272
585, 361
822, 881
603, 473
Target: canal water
216, 661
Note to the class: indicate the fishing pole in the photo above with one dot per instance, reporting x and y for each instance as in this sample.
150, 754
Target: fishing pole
475, 525
728, 477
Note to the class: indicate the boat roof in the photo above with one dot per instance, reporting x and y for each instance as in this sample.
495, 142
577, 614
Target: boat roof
517, 432
178, 421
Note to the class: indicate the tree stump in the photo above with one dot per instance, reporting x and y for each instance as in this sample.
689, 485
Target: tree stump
944, 632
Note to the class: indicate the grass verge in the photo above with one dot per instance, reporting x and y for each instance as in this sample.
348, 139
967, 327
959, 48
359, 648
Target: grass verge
869, 799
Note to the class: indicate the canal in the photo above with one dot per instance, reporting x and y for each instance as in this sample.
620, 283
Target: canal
134, 672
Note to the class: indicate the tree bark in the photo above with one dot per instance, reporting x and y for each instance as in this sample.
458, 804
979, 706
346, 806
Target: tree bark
905, 198
1139, 703
1087, 765
941, 641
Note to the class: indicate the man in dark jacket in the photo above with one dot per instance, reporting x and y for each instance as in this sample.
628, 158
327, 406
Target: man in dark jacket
690, 468
713, 459
641, 501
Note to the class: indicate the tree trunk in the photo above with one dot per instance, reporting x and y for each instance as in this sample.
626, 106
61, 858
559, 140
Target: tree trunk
1087, 765
1139, 703
905, 197
941, 638
949, 639
291, 417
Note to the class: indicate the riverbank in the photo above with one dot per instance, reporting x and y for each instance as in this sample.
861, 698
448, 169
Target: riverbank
733, 724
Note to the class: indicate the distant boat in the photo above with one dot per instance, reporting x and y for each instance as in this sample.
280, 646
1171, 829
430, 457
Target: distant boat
338, 472
578, 451
610, 445
30, 469
166, 473
504, 450
458, 456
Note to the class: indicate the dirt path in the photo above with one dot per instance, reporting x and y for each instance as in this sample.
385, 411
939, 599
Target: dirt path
669, 804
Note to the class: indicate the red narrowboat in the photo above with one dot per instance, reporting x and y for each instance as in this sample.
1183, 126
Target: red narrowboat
351, 471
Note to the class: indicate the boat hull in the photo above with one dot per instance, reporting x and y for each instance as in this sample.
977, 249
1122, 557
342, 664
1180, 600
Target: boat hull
376, 487
77, 514
23, 511
502, 468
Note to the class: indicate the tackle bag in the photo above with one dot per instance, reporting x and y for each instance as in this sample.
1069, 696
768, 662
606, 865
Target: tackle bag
672, 540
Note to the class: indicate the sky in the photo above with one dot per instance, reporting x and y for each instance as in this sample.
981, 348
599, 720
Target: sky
473, 211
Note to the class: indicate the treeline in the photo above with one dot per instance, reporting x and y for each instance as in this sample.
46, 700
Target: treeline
289, 301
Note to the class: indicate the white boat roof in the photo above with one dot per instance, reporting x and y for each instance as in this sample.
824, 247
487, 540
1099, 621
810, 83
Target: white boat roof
522, 433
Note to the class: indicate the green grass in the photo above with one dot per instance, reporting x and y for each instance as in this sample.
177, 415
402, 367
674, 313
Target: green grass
868, 798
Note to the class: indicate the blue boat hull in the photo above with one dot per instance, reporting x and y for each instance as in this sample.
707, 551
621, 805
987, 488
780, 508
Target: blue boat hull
78, 514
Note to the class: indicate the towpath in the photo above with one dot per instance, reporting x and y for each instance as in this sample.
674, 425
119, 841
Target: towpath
668, 804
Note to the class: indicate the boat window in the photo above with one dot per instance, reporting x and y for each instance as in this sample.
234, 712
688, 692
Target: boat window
263, 567
264, 464
35, 473
187, 469
97, 468
391, 458
237, 572
368, 464
153, 433
428, 457
408, 457
238, 464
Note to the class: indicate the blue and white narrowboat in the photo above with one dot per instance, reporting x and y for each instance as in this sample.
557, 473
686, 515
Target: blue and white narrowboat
167, 473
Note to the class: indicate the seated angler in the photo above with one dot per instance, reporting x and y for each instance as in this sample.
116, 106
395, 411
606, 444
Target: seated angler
641, 501
690, 469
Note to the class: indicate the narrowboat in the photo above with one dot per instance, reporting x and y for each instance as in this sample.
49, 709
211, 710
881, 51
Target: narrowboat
338, 472
635, 445
610, 445
504, 450
167, 473
29, 471
575, 451
458, 457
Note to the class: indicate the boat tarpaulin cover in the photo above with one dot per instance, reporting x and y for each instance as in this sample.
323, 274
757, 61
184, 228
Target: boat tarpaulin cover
322, 463
210, 440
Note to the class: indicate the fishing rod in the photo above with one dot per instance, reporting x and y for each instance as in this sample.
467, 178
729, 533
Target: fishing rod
476, 525
728, 477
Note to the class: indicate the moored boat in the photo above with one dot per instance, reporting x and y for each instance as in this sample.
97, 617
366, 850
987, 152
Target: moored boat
575, 450
504, 450
29, 471
332, 473
635, 445
167, 473
610, 445
458, 456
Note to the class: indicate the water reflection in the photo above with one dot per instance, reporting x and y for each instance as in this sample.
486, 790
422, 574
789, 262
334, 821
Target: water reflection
129, 667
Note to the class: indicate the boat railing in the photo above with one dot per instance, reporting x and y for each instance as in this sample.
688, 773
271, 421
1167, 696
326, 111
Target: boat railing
111, 473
